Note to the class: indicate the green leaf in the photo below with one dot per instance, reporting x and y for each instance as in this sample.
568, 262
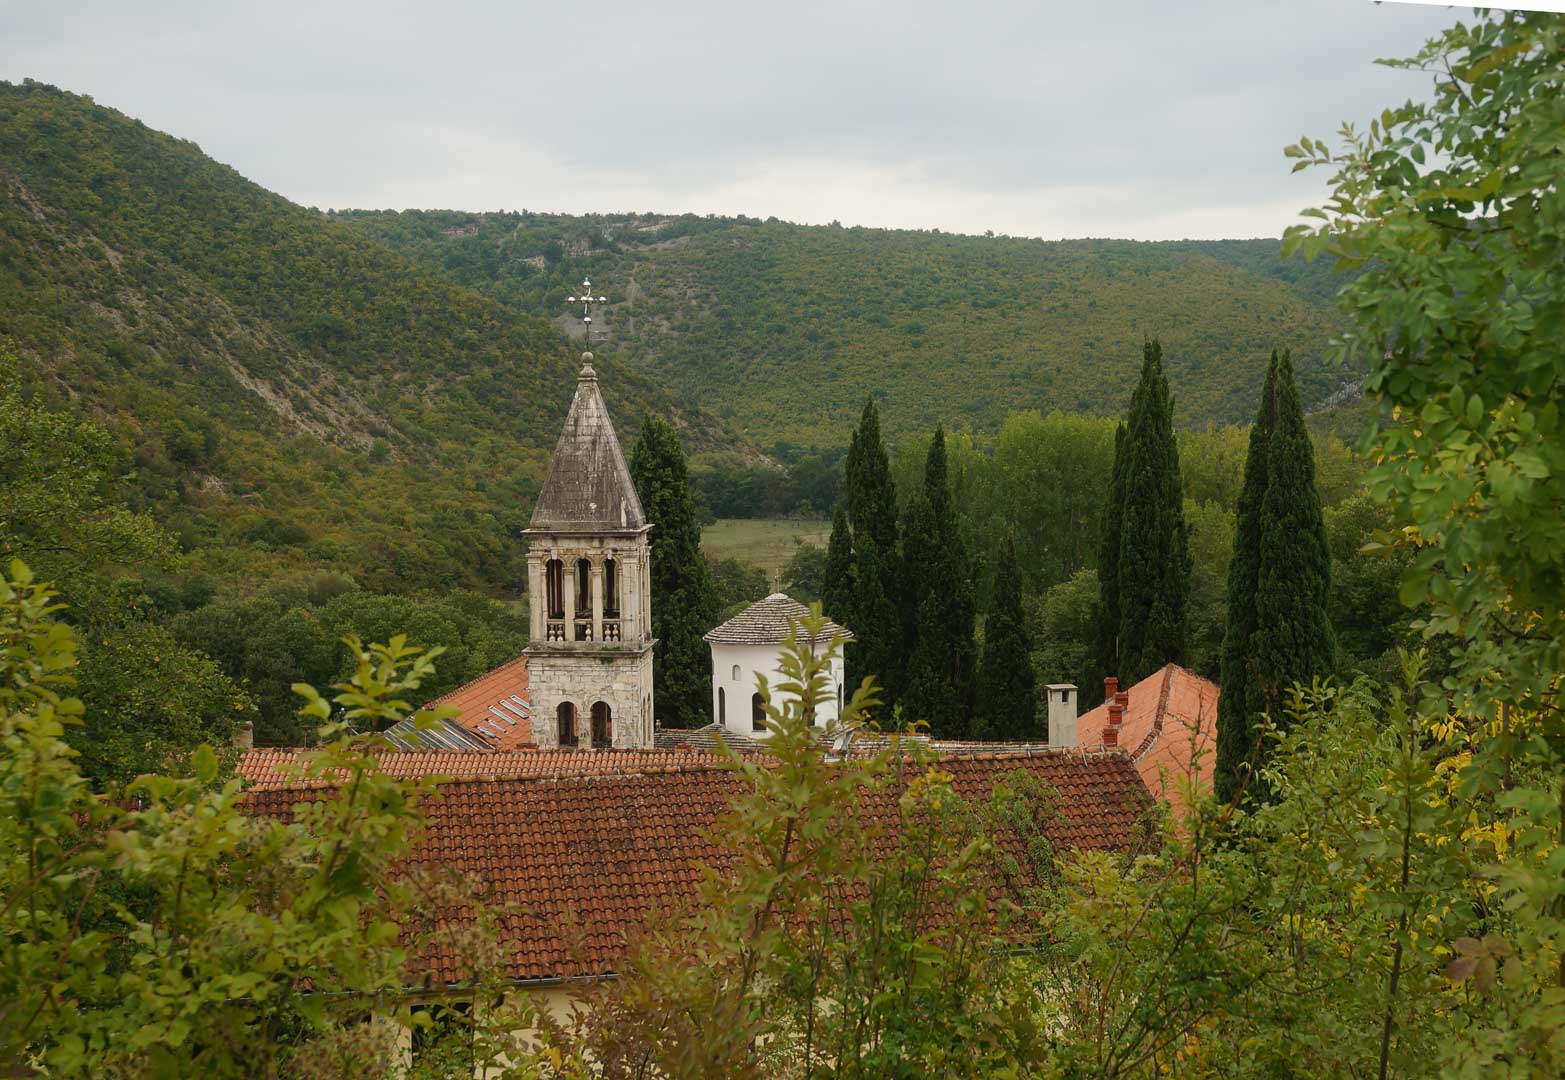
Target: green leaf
1530, 465
204, 763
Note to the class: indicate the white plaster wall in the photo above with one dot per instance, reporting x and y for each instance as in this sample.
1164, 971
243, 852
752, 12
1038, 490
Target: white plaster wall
555, 1001
753, 660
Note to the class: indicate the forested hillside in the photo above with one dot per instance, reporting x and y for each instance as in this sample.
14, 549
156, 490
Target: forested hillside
743, 314
283, 391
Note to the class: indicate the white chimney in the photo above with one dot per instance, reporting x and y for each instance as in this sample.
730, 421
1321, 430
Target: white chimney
1062, 713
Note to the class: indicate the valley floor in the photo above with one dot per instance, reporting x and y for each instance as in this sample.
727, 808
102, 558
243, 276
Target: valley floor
766, 543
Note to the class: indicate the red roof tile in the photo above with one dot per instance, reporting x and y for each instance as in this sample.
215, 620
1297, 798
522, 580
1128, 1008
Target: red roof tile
476, 700
586, 859
1169, 730
269, 766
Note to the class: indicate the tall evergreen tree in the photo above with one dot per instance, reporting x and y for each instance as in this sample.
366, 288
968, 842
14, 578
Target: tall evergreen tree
685, 603
838, 583
1007, 691
1240, 700
1154, 551
880, 648
870, 492
877, 645
1279, 632
1105, 653
943, 663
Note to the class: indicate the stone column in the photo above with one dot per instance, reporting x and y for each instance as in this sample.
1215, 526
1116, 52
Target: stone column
568, 572
646, 594
537, 598
629, 595
597, 599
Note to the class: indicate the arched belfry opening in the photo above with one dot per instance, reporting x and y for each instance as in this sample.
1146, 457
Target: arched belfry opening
602, 725
757, 713
565, 723
583, 600
722, 706
554, 600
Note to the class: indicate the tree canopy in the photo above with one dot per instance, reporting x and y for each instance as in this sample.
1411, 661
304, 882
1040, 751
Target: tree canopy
686, 602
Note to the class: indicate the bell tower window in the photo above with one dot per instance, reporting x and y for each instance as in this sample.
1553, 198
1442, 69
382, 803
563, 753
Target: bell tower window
554, 575
583, 588
602, 726
610, 588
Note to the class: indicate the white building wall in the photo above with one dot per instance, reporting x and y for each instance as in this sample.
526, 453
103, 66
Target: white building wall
734, 671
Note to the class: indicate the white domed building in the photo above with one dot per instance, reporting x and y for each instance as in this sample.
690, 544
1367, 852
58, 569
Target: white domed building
751, 644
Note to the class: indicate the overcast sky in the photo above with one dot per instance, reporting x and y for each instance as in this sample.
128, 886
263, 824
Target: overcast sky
1148, 120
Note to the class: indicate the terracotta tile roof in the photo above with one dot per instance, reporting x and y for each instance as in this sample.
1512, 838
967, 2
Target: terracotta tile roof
269, 766
1170, 722
766, 622
863, 742
586, 859
494, 713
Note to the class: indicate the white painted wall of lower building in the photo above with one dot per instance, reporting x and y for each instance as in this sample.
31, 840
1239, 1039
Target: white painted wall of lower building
734, 671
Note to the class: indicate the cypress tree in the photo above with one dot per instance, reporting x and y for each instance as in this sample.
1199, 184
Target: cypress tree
1240, 701
876, 648
1279, 632
685, 602
871, 494
880, 648
943, 663
1007, 691
1105, 654
1293, 640
1154, 552
838, 585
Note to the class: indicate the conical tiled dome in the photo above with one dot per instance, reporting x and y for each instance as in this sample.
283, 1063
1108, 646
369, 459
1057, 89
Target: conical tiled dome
765, 622
588, 488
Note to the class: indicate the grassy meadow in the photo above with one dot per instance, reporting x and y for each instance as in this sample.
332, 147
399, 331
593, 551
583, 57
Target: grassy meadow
767, 543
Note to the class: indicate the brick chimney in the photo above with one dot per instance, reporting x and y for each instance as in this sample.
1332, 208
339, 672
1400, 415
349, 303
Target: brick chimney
1063, 702
1110, 687
244, 738
1117, 705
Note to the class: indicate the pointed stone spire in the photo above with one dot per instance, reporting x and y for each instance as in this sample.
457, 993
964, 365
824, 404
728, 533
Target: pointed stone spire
588, 489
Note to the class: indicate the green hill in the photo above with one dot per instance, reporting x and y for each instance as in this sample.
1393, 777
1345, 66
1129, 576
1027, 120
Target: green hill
783, 329
285, 389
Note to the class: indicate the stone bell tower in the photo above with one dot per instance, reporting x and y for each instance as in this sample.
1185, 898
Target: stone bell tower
589, 661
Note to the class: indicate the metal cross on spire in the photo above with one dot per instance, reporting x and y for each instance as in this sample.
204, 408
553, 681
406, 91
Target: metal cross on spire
586, 300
